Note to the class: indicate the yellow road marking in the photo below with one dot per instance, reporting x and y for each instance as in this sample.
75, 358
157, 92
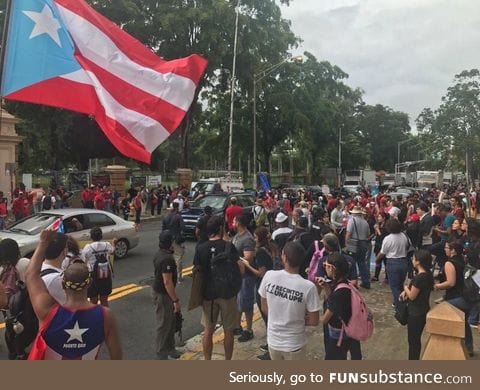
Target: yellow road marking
217, 338
124, 293
117, 293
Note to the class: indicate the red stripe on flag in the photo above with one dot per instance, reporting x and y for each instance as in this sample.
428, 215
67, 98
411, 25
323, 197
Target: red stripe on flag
191, 67
61, 93
82, 98
168, 115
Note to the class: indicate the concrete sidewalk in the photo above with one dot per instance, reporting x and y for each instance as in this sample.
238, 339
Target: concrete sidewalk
389, 341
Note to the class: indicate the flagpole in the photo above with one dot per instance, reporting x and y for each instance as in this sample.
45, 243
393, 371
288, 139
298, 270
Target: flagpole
6, 25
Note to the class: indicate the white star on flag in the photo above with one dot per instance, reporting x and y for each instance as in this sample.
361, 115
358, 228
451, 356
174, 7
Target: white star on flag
76, 333
45, 23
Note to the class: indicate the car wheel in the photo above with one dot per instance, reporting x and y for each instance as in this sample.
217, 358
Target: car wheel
121, 249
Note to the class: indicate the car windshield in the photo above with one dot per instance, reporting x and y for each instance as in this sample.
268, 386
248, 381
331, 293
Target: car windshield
215, 202
34, 225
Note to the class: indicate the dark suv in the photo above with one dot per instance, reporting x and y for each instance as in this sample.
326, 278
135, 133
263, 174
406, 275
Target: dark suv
218, 202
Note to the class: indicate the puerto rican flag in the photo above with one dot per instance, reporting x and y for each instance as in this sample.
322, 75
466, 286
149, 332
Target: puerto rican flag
62, 53
57, 226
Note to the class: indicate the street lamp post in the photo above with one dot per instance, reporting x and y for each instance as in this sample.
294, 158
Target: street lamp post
257, 77
232, 92
397, 171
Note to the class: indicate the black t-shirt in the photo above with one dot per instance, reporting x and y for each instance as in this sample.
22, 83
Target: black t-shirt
263, 258
202, 227
203, 254
164, 263
340, 304
421, 305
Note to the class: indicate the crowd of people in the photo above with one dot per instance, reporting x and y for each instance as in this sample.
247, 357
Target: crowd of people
295, 249
302, 258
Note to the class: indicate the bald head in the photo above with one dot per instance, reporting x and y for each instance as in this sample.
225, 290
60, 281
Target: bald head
76, 277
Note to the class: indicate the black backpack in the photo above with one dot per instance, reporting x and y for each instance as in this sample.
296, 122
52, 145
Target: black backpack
47, 202
225, 273
471, 291
20, 311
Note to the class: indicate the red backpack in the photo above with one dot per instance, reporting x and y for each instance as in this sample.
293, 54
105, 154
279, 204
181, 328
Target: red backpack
360, 327
314, 261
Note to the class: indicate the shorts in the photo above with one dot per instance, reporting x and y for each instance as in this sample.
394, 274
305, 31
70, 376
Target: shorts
227, 309
100, 287
246, 296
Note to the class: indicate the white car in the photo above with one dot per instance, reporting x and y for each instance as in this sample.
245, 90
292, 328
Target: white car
76, 223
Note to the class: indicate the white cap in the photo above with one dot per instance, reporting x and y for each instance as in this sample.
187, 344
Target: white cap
280, 218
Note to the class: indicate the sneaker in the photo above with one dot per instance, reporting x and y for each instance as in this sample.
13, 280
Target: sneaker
374, 279
264, 347
475, 326
174, 354
246, 335
439, 300
237, 331
264, 356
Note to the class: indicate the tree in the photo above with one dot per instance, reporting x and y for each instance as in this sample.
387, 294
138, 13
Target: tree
453, 130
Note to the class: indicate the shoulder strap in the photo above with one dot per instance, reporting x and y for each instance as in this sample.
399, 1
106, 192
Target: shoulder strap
48, 271
355, 227
316, 246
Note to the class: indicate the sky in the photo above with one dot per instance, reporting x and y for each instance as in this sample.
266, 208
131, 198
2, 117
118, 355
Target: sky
403, 53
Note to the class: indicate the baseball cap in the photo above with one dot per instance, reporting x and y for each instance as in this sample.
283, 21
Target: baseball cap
165, 239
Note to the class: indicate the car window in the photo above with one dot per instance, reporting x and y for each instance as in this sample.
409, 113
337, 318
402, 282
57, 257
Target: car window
74, 224
215, 202
34, 224
97, 219
245, 201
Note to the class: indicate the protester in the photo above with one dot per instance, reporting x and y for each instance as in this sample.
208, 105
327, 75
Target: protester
417, 292
96, 255
77, 329
289, 313
165, 298
394, 249
218, 299
173, 222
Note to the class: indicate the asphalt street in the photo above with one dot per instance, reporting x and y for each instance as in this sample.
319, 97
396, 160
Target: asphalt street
131, 299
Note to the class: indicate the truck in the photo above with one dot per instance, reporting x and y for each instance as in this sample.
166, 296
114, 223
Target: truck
429, 179
354, 179
218, 184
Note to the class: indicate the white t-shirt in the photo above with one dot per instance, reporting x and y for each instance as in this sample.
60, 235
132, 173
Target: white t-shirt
289, 298
180, 202
282, 230
395, 246
53, 282
88, 253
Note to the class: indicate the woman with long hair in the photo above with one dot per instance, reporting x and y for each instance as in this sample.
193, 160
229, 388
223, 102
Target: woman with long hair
453, 285
418, 295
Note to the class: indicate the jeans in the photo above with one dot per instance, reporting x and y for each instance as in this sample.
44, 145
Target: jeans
474, 312
361, 260
464, 306
415, 328
397, 272
2, 223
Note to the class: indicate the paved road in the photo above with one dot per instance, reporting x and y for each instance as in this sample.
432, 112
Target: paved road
131, 301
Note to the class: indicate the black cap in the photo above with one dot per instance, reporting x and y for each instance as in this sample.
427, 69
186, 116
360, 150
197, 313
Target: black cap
165, 239
303, 221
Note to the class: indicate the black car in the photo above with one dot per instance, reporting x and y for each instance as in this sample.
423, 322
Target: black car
218, 202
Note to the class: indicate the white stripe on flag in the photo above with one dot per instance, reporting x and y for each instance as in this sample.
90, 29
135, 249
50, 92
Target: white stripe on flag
101, 50
146, 130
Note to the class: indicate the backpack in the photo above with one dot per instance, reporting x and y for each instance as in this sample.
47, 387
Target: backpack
225, 273
314, 261
261, 217
101, 268
360, 327
47, 202
21, 322
471, 292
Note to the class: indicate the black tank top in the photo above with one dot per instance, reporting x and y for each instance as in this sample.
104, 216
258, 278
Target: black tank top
457, 290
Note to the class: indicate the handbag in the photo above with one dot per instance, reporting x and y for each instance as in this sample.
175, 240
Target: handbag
401, 313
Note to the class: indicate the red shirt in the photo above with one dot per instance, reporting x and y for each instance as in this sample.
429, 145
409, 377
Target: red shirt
3, 209
99, 202
231, 212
